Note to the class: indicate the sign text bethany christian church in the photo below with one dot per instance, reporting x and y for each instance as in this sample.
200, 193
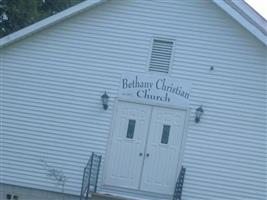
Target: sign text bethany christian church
153, 88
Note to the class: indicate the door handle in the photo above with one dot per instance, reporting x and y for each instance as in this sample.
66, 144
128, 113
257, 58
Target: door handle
147, 155
140, 154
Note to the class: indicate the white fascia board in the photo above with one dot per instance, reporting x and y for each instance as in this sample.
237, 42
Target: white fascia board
254, 26
25, 32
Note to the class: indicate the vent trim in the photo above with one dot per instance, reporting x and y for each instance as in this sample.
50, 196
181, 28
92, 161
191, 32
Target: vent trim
161, 55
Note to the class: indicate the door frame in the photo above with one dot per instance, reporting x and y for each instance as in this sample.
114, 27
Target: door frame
112, 127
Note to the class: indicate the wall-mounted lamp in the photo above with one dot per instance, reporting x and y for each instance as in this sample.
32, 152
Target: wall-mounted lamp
199, 112
104, 99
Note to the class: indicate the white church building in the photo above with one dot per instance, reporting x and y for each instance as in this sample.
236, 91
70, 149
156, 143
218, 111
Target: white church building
171, 95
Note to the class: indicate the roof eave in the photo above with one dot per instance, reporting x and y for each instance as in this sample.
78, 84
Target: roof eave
27, 31
246, 16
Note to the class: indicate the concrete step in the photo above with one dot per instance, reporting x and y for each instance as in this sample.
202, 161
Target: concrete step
98, 196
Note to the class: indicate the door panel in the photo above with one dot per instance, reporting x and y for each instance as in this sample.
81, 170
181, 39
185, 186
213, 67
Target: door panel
128, 141
163, 150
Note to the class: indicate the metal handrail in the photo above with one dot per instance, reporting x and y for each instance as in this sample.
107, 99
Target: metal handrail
177, 195
90, 176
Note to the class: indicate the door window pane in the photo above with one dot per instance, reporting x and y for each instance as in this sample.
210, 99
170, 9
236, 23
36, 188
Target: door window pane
165, 134
131, 127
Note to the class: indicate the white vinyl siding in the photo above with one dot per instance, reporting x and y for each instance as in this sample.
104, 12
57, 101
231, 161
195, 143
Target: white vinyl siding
52, 84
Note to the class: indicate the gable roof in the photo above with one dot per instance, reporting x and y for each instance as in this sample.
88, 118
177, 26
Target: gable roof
239, 10
246, 16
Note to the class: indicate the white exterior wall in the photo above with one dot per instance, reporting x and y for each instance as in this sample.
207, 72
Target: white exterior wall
53, 80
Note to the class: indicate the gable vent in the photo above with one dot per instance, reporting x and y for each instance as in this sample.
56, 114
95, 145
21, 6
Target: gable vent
161, 55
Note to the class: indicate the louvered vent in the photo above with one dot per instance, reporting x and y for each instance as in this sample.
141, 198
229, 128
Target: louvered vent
161, 56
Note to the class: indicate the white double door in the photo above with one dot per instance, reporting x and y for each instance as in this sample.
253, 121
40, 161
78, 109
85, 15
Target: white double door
145, 148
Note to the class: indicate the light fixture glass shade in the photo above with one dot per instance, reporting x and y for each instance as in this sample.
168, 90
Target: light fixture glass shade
105, 98
199, 113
